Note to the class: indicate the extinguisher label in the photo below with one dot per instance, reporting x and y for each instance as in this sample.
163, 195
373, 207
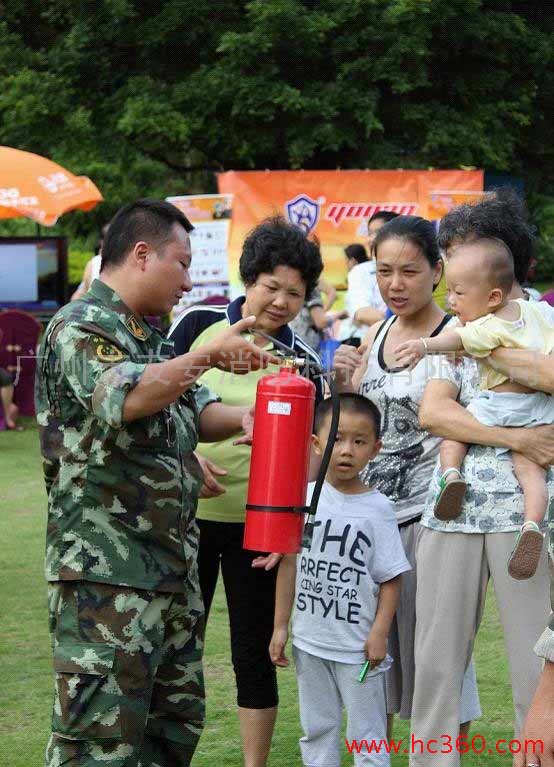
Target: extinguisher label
279, 408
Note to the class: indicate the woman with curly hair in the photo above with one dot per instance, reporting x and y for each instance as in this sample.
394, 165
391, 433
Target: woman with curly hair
457, 560
279, 266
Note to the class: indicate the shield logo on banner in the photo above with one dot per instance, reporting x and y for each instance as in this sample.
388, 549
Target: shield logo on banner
303, 212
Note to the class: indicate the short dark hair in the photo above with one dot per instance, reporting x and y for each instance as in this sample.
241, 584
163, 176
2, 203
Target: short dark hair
501, 215
148, 220
350, 403
414, 229
356, 252
275, 243
497, 261
382, 215
101, 237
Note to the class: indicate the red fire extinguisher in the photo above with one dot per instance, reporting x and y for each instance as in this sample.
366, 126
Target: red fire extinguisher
276, 499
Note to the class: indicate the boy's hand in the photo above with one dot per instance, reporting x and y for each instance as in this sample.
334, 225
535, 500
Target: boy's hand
268, 561
211, 488
376, 647
346, 361
277, 646
247, 427
409, 353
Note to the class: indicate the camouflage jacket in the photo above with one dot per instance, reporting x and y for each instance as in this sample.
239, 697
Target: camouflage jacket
121, 496
545, 645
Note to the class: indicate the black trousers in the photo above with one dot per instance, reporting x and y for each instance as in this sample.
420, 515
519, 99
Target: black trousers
250, 597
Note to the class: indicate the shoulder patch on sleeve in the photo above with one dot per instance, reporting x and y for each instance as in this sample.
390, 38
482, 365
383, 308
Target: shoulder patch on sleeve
106, 351
134, 327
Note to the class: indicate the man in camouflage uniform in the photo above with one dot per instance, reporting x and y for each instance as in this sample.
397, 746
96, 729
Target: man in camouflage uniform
119, 418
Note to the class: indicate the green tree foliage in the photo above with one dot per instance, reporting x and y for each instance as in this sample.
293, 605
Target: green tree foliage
542, 212
136, 93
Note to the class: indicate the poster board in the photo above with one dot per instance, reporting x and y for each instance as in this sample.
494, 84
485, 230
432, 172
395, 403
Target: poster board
210, 214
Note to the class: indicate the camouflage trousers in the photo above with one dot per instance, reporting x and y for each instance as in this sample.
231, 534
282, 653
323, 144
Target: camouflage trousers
129, 685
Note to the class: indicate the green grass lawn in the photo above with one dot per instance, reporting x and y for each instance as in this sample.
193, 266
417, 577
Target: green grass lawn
26, 682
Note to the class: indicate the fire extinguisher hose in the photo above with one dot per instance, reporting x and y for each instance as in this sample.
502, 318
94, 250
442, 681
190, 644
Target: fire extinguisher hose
335, 413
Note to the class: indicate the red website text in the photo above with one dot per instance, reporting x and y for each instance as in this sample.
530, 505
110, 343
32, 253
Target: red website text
446, 744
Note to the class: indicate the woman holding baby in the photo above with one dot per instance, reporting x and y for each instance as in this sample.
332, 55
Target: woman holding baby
409, 267
455, 559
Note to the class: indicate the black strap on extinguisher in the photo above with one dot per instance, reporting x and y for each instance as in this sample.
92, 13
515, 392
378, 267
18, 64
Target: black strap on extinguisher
279, 509
311, 510
335, 413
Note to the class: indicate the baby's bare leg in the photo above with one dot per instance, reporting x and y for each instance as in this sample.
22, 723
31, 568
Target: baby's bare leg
449, 501
452, 456
532, 479
526, 554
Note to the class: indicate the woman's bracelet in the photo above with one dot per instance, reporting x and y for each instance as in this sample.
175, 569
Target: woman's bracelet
425, 345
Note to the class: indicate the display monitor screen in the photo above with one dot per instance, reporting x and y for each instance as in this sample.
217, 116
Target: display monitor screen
33, 272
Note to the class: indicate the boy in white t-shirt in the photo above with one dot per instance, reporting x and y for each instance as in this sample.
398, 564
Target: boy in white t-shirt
479, 276
345, 591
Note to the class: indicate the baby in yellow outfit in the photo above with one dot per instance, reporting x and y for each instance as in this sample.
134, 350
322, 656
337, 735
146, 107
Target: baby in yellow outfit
480, 277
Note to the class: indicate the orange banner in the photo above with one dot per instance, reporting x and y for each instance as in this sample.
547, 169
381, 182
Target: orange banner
335, 205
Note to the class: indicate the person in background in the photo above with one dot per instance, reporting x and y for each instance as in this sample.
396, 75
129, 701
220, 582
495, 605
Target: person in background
329, 291
530, 278
355, 254
364, 302
348, 332
11, 410
92, 268
278, 267
539, 723
312, 320
548, 297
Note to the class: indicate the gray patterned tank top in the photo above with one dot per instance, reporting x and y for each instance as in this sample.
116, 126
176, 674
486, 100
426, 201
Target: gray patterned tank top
403, 469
